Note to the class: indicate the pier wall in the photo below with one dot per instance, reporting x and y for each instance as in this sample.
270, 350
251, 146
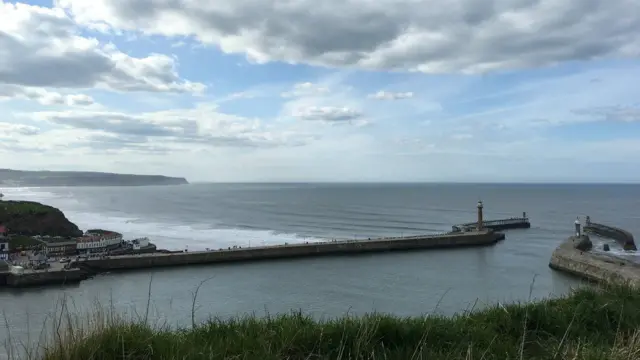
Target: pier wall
45, 278
601, 268
623, 237
496, 225
482, 238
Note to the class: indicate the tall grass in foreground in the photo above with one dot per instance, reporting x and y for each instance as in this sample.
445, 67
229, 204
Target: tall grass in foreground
588, 324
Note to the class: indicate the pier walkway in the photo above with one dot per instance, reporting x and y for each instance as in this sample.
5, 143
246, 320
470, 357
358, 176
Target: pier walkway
623, 237
299, 250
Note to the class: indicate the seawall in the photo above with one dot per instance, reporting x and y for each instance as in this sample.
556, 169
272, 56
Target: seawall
37, 278
452, 240
601, 268
623, 237
496, 225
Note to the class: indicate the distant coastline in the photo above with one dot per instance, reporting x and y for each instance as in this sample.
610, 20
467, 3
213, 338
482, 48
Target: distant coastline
23, 178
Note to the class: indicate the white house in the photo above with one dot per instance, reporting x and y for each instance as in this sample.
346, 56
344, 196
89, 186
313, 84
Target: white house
140, 243
95, 243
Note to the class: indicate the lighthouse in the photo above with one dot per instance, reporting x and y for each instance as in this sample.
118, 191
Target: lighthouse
577, 225
480, 224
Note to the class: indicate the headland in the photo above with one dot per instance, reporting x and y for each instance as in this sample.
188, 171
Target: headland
22, 178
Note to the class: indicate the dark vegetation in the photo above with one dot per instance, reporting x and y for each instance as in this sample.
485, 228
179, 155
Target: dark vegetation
29, 218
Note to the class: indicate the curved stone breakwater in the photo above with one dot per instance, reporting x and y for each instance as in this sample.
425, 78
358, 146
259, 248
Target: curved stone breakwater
574, 256
623, 237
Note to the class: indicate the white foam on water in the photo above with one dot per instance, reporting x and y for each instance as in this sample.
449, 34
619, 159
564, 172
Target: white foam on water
614, 249
165, 235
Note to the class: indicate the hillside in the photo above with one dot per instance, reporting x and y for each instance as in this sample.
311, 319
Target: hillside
32, 218
589, 324
18, 178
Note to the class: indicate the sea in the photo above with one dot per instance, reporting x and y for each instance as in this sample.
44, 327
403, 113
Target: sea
201, 216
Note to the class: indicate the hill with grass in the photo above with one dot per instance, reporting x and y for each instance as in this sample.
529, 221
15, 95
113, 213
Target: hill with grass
30, 218
589, 324
20, 178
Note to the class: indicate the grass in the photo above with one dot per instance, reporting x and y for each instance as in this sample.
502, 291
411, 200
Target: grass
23, 241
590, 323
24, 208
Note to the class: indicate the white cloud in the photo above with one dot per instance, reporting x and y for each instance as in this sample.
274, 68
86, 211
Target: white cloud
305, 89
43, 96
41, 47
328, 101
200, 127
385, 95
327, 114
421, 35
610, 113
462, 127
7, 130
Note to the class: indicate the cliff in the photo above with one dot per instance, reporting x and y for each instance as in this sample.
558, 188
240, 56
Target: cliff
32, 218
10, 177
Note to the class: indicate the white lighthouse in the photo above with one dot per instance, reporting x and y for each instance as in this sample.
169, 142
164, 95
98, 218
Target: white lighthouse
480, 224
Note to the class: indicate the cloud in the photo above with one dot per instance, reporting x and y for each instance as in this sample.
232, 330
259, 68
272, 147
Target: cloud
610, 113
197, 127
327, 114
44, 96
9, 129
384, 95
305, 89
42, 47
419, 35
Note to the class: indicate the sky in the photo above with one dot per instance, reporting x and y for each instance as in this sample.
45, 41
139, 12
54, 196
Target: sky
332, 90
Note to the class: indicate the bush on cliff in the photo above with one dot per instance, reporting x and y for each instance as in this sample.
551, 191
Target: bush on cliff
589, 324
32, 218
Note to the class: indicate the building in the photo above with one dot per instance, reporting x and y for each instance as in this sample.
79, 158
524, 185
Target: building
140, 243
4, 243
99, 242
59, 247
